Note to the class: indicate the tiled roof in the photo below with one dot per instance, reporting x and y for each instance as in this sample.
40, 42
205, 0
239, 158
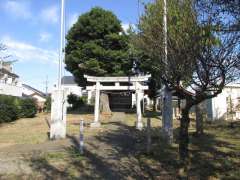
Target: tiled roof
34, 90
68, 80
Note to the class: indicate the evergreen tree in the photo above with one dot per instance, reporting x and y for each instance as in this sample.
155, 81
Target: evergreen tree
97, 46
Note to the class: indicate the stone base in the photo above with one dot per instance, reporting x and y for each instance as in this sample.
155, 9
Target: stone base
58, 115
139, 125
95, 124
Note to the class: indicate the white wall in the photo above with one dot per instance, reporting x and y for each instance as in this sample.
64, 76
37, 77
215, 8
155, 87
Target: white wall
27, 91
218, 105
39, 98
12, 90
74, 89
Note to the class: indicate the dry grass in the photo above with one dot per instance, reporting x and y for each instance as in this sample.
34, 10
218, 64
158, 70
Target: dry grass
35, 130
215, 155
24, 131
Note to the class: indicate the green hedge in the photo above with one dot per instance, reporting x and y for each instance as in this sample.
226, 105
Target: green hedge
12, 108
75, 101
48, 104
28, 108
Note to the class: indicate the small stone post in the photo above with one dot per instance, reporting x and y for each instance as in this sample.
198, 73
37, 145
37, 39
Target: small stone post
96, 122
81, 138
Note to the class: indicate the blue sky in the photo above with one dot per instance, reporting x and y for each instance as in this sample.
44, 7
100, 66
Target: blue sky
30, 30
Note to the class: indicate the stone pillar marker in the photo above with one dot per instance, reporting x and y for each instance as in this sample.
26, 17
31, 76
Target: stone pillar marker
167, 115
139, 124
96, 122
58, 115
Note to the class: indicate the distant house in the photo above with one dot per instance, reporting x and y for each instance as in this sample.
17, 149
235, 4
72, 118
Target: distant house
9, 81
226, 105
39, 96
69, 84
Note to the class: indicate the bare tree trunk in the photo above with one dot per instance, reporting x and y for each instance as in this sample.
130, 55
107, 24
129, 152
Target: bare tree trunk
183, 135
199, 119
104, 104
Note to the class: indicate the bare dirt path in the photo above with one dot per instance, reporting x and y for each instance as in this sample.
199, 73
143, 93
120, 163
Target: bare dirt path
111, 152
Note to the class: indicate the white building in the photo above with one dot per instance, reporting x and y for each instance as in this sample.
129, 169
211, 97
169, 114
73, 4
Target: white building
11, 85
9, 81
221, 106
69, 84
31, 92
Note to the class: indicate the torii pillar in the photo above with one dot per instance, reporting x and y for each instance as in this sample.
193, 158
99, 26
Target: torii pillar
139, 124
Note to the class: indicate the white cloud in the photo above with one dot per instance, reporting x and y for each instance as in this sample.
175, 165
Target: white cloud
18, 9
45, 37
50, 14
27, 52
72, 20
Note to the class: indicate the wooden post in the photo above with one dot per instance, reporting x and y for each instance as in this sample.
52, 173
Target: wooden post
96, 109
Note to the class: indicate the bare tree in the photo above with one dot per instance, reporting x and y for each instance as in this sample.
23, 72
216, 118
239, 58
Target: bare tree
201, 58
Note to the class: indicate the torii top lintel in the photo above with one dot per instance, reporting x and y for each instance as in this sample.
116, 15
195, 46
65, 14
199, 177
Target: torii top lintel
117, 79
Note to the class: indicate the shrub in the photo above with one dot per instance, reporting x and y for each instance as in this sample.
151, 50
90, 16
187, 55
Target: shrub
47, 104
8, 113
9, 109
76, 101
12, 108
28, 108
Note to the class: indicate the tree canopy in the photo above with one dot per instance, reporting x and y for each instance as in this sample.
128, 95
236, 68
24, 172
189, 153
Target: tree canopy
201, 57
97, 45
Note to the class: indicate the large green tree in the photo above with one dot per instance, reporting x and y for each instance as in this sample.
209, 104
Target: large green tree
200, 60
98, 46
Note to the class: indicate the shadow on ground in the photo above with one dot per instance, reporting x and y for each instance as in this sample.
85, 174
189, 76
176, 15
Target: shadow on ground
120, 153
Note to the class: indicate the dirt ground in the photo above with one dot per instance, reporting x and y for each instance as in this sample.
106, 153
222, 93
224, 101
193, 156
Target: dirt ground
115, 151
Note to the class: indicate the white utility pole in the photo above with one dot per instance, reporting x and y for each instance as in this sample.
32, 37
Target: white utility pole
167, 97
59, 96
62, 44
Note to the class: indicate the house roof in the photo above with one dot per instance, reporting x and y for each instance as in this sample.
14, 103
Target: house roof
5, 71
68, 80
34, 90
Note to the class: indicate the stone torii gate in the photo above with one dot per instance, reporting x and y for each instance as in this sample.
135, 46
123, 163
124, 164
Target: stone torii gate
134, 85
